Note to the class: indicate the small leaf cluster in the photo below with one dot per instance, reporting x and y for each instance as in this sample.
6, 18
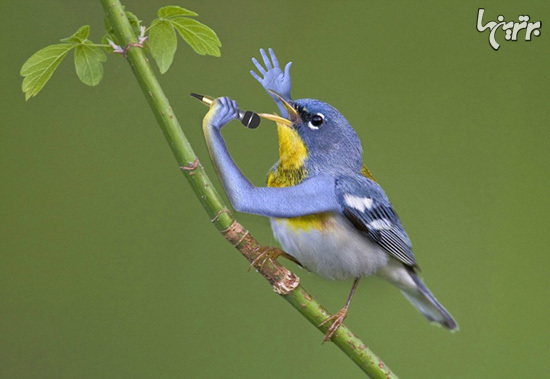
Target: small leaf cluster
163, 41
89, 57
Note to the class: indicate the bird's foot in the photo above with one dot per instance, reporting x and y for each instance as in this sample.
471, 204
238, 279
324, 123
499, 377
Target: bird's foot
268, 253
337, 320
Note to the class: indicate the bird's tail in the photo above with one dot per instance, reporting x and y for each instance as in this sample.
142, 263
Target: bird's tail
419, 295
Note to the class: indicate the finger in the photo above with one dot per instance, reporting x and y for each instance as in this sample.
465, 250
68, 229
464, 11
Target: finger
218, 106
234, 106
223, 102
258, 66
255, 76
267, 62
287, 69
274, 58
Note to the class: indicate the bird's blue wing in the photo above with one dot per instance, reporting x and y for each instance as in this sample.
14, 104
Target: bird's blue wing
367, 207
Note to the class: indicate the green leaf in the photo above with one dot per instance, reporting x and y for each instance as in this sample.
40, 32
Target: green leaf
106, 38
87, 61
173, 10
163, 39
79, 36
134, 21
39, 68
199, 36
163, 43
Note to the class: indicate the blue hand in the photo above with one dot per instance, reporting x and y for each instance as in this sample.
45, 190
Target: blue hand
222, 112
273, 77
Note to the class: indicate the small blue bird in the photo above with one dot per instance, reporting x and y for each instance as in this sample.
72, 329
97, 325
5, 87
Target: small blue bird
326, 210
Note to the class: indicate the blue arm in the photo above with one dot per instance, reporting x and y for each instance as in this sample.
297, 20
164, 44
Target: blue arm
274, 78
314, 195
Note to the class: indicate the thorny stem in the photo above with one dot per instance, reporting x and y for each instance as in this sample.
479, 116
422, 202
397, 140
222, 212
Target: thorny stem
282, 280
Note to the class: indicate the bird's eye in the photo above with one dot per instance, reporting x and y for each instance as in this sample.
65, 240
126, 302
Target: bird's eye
316, 121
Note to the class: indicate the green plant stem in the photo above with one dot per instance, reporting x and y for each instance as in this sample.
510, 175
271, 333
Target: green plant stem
239, 237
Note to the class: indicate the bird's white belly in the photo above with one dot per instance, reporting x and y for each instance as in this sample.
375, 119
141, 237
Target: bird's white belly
335, 251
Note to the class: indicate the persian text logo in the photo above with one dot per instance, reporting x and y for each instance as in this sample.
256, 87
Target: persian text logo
511, 28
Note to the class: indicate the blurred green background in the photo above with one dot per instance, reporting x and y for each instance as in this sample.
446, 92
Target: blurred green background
109, 268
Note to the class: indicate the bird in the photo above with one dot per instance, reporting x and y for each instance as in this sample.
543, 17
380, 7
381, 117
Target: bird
326, 209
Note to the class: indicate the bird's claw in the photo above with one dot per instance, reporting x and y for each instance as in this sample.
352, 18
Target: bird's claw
267, 253
337, 320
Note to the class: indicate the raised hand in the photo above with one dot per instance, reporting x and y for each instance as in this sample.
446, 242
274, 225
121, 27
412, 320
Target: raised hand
273, 77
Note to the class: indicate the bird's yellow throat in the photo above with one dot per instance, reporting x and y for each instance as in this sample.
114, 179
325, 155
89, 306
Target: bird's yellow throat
292, 154
291, 171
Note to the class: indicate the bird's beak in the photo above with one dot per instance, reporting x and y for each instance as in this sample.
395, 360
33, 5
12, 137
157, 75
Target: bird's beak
293, 116
277, 119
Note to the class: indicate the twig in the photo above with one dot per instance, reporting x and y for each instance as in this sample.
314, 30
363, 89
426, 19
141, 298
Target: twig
282, 280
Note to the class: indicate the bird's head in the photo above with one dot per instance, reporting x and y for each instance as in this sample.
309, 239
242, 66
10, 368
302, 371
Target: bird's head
319, 131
